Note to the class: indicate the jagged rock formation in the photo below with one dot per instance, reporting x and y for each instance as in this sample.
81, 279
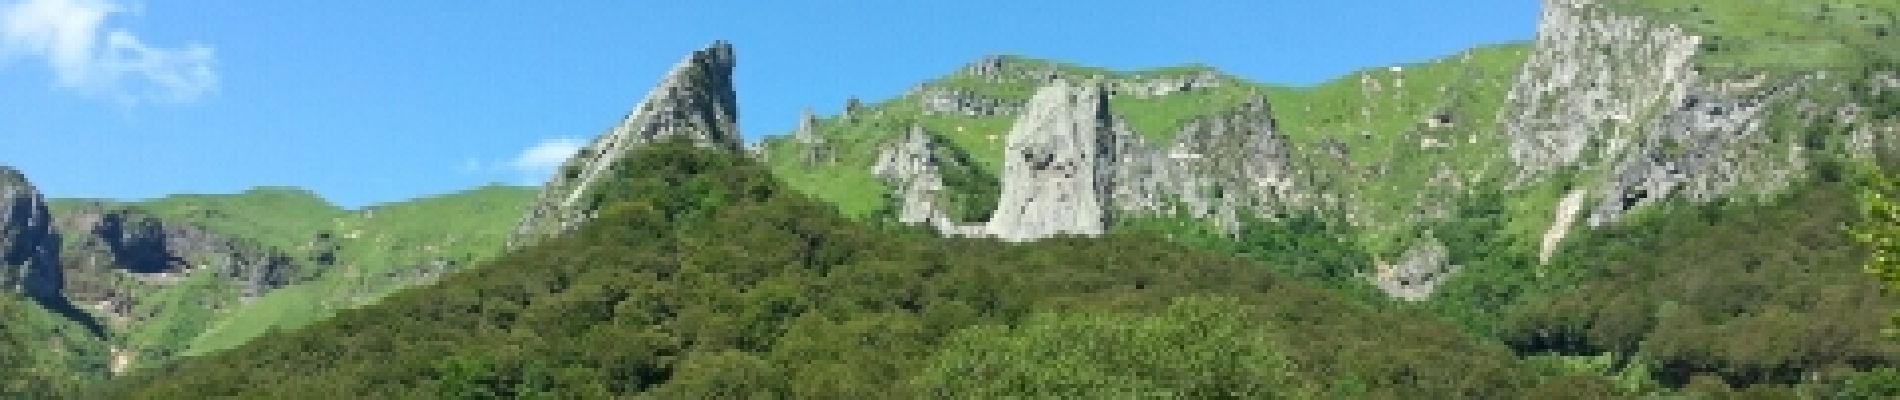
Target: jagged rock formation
1070, 166
1218, 167
29, 258
1055, 178
695, 101
1619, 98
912, 166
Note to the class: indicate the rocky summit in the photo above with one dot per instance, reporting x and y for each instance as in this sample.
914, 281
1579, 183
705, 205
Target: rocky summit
1053, 179
29, 261
695, 101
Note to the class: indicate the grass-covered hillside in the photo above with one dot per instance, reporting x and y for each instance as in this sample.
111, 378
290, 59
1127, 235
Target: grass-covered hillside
1747, 37
343, 258
380, 249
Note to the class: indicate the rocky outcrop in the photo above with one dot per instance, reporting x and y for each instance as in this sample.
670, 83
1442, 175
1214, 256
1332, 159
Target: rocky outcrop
29, 258
913, 168
695, 101
1618, 99
1055, 176
813, 149
1218, 167
1070, 167
110, 249
1163, 85
1417, 273
944, 101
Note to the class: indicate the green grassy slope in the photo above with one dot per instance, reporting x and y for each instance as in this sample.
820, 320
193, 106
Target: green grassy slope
708, 278
1747, 37
381, 249
373, 251
277, 217
1380, 119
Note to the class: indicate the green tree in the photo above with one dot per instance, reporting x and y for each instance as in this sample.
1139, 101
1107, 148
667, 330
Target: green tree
1880, 229
1203, 348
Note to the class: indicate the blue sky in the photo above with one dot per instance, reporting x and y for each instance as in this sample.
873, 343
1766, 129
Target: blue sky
376, 101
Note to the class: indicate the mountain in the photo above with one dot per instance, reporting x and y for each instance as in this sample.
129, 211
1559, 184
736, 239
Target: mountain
29, 263
695, 100
705, 278
1617, 106
1647, 200
148, 282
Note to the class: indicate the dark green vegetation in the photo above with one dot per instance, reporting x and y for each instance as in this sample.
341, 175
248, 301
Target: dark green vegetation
707, 278
1767, 295
45, 355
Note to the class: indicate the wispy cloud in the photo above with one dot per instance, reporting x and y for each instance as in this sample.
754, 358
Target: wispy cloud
86, 55
538, 161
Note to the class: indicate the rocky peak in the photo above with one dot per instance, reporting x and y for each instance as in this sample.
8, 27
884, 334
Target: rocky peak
1055, 180
1619, 98
29, 260
912, 168
694, 101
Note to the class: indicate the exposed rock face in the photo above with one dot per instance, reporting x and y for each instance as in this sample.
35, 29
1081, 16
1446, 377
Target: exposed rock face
29, 258
1070, 167
108, 244
912, 166
695, 101
1218, 167
1055, 180
813, 148
1417, 273
1617, 97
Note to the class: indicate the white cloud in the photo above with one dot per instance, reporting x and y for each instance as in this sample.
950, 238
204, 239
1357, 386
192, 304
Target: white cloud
86, 55
540, 160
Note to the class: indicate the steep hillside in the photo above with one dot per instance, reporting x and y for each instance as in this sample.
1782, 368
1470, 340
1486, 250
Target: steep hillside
1617, 106
185, 274
378, 250
707, 278
694, 100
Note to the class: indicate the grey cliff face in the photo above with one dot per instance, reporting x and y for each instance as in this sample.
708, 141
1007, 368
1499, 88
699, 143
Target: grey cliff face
1055, 180
29, 258
1218, 167
912, 167
107, 245
1618, 97
695, 101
